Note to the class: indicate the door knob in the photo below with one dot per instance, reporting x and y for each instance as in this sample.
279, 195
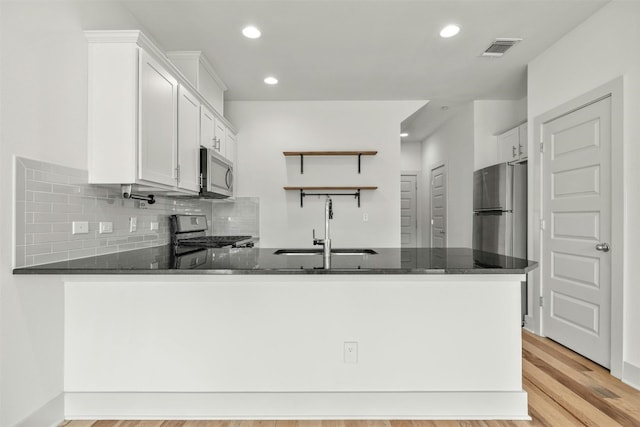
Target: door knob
603, 247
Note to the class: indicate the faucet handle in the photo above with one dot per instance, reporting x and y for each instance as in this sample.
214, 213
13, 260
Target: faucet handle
317, 241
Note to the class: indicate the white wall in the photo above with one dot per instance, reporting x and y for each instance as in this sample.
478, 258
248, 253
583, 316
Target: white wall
601, 49
266, 129
453, 145
490, 118
44, 116
411, 156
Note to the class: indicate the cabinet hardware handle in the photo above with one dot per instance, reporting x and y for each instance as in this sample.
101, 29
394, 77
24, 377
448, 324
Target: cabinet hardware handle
513, 147
602, 247
520, 149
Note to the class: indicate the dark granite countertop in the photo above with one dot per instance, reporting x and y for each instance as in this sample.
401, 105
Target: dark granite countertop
161, 260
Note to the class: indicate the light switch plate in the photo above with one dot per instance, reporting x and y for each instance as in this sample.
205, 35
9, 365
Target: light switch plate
105, 227
133, 224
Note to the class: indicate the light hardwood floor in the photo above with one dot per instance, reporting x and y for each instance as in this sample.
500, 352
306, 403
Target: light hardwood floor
564, 388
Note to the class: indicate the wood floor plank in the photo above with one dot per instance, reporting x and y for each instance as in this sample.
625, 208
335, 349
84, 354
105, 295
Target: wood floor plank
78, 423
565, 396
586, 393
546, 412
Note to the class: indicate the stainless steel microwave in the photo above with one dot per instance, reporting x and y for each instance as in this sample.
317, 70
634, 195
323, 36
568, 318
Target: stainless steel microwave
216, 175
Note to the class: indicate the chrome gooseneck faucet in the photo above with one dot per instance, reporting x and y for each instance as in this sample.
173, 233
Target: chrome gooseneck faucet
326, 242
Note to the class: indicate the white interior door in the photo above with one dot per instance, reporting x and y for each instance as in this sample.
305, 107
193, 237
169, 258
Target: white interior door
439, 207
577, 212
408, 211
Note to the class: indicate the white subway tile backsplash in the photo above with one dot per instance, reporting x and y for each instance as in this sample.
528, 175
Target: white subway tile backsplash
52, 257
38, 186
50, 197
66, 208
20, 255
49, 218
50, 237
61, 227
37, 228
106, 250
66, 246
81, 253
38, 207
44, 248
65, 189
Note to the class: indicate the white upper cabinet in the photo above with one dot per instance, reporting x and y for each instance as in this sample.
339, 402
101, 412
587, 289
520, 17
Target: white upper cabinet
158, 108
512, 144
524, 140
146, 119
207, 128
231, 146
197, 69
188, 141
220, 136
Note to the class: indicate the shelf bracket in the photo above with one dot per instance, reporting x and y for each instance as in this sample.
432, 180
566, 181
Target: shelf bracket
303, 194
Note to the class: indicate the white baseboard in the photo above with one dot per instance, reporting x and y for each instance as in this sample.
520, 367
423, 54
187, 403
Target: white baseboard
631, 375
511, 405
49, 415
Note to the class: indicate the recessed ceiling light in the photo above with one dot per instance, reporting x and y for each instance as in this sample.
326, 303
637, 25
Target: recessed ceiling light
404, 134
251, 32
449, 31
271, 80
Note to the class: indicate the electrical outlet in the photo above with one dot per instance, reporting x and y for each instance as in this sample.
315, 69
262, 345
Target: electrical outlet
80, 227
365, 217
154, 226
105, 227
133, 224
350, 352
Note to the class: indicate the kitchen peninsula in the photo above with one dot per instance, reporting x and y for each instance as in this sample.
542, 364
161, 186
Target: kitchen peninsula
249, 333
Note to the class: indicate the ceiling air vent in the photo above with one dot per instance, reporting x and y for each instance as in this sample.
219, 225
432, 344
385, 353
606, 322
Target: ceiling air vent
500, 46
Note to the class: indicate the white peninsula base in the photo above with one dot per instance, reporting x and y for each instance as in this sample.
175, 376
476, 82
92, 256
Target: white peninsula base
273, 347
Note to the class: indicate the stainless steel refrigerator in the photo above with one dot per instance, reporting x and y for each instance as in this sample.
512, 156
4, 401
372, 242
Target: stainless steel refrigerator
500, 209
500, 213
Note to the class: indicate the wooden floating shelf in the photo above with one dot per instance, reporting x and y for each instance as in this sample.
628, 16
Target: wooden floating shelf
301, 154
329, 153
322, 191
331, 188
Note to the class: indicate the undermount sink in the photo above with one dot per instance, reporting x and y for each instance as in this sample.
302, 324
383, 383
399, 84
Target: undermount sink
319, 252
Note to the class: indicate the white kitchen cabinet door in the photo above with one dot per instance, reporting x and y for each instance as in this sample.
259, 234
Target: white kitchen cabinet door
207, 128
508, 145
523, 148
158, 120
220, 137
231, 146
188, 140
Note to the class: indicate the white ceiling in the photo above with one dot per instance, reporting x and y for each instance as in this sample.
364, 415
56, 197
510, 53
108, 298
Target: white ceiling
364, 49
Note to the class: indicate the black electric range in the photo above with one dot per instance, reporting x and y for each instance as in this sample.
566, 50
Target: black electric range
190, 241
190, 231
